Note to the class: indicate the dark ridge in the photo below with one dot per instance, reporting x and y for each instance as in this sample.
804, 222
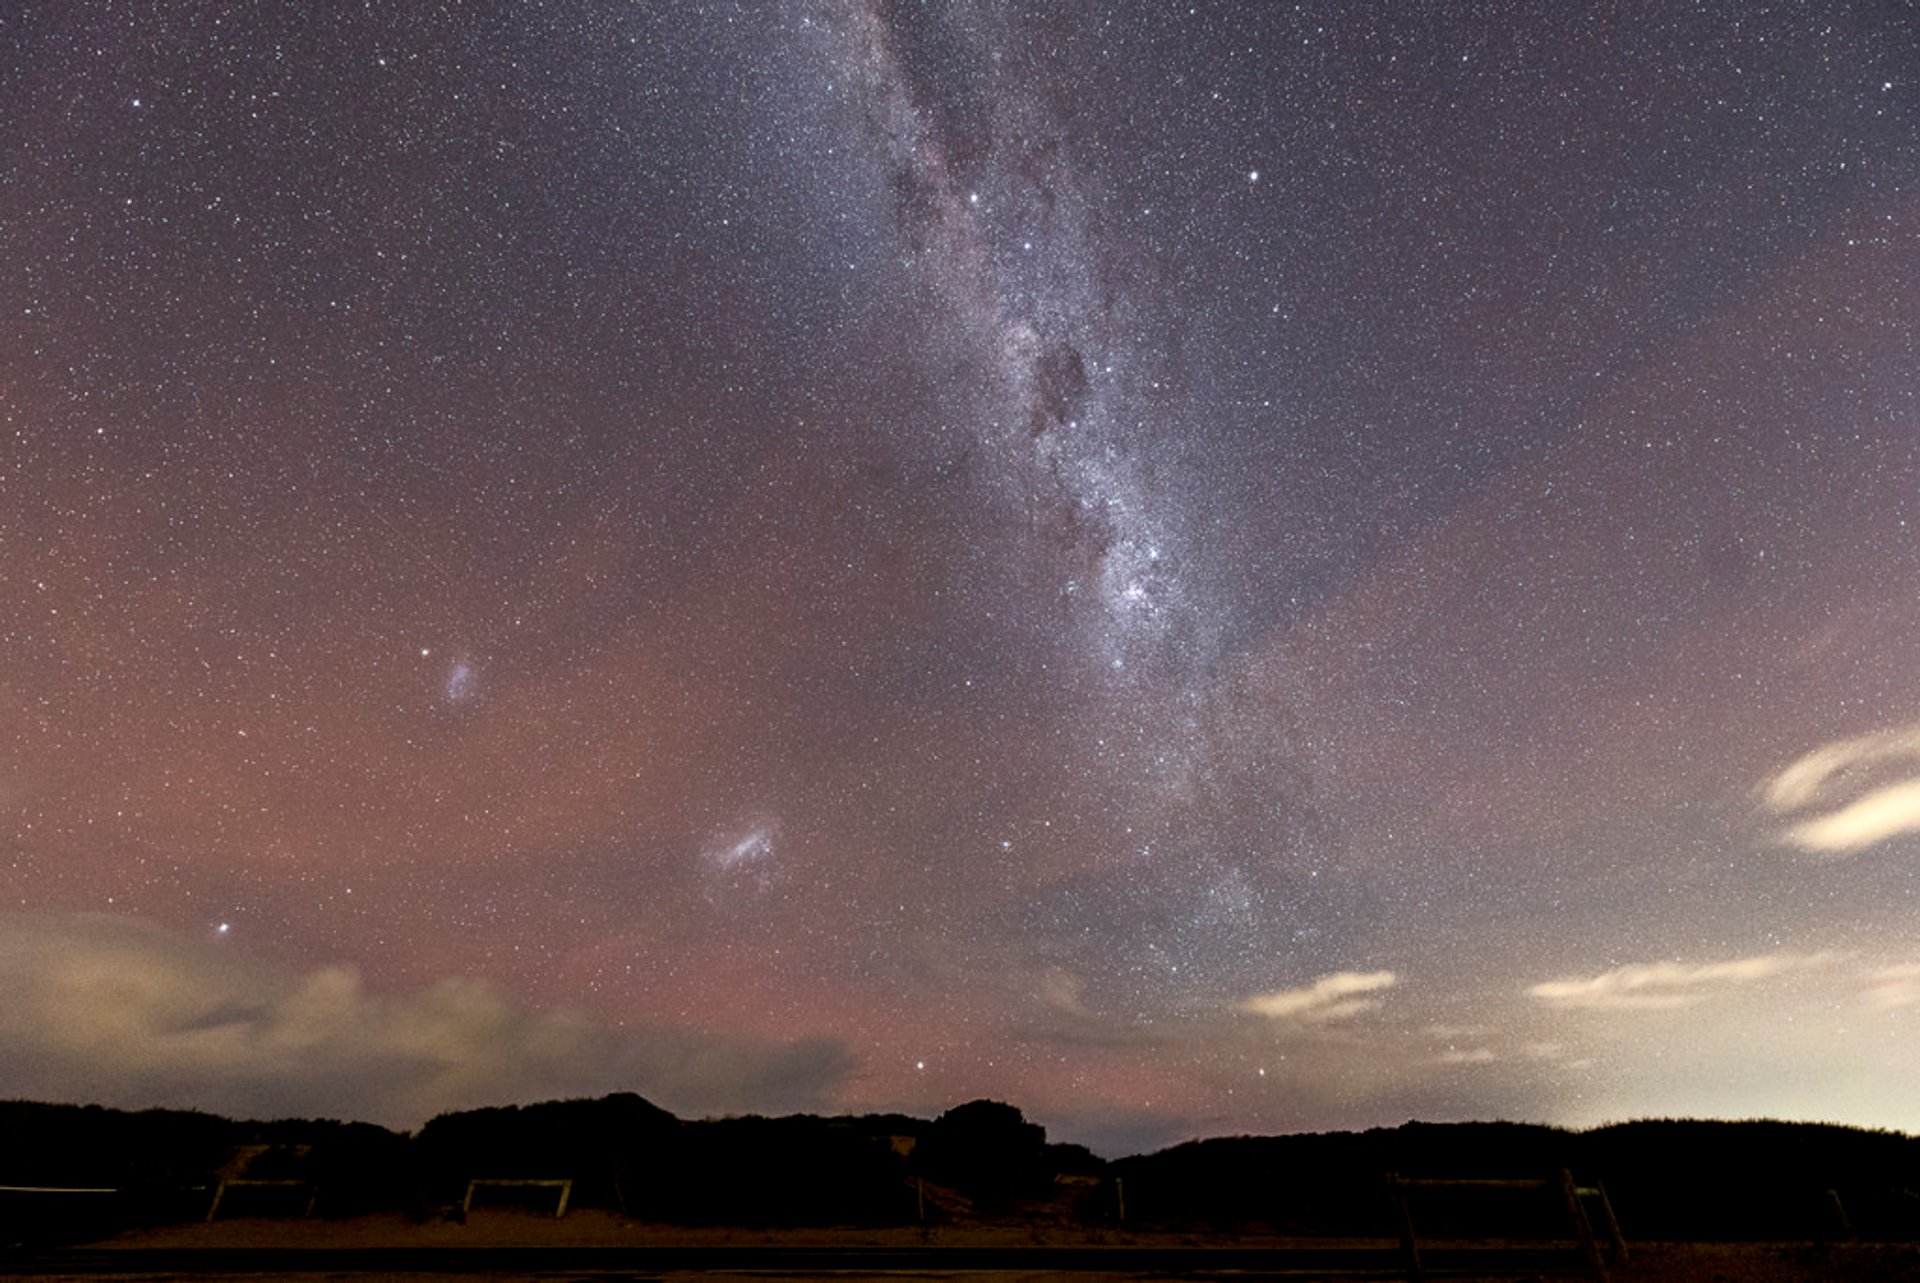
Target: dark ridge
1667, 1179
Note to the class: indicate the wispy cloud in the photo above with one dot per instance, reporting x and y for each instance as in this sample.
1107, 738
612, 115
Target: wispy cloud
1891, 987
1867, 821
1659, 986
1333, 997
111, 1011
1467, 1056
1831, 778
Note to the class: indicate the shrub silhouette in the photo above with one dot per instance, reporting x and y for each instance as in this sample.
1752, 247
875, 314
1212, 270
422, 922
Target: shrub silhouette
1668, 1179
612, 1149
987, 1151
799, 1170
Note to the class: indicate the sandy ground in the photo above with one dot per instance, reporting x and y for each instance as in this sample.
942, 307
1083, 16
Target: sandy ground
1649, 1262
592, 1228
1771, 1263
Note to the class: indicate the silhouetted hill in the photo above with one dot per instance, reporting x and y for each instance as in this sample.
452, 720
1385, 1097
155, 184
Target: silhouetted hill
1667, 1179
596, 1143
798, 1170
987, 1151
87, 1145
165, 1163
1679, 1178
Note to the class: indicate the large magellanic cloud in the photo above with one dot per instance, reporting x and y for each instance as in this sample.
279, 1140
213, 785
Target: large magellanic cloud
112, 1011
1866, 791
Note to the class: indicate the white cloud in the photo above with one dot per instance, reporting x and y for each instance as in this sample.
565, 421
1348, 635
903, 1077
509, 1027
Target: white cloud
1661, 986
110, 1011
1332, 997
1892, 987
1867, 821
1468, 1056
1826, 776
1802, 783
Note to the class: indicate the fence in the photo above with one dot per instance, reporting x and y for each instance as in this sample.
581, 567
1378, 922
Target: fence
296, 1188
1572, 1197
564, 1186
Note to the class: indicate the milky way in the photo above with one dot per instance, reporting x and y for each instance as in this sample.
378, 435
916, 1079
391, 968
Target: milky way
1197, 568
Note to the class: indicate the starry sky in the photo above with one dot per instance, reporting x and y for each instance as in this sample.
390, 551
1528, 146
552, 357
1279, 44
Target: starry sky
1198, 568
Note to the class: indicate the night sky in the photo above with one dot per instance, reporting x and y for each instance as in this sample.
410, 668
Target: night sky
1196, 568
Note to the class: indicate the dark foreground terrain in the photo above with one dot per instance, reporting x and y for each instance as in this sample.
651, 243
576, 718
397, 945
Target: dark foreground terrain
510, 1247
978, 1192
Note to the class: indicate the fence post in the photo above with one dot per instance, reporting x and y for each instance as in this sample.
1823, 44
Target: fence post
1120, 1198
1582, 1229
1403, 1223
1840, 1216
1616, 1241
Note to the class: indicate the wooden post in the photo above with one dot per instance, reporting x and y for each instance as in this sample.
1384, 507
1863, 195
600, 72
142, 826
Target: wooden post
1582, 1228
219, 1192
1120, 1198
1840, 1217
920, 1198
1616, 1241
1403, 1222
566, 1192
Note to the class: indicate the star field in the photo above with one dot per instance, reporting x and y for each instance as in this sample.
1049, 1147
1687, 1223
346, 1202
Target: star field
1197, 568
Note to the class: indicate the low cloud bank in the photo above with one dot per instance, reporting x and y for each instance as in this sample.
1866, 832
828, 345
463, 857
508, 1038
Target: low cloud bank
111, 1011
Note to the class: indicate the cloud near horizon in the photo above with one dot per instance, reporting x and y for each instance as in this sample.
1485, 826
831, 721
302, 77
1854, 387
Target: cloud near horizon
111, 1011
1893, 987
1663, 986
1338, 996
1865, 819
